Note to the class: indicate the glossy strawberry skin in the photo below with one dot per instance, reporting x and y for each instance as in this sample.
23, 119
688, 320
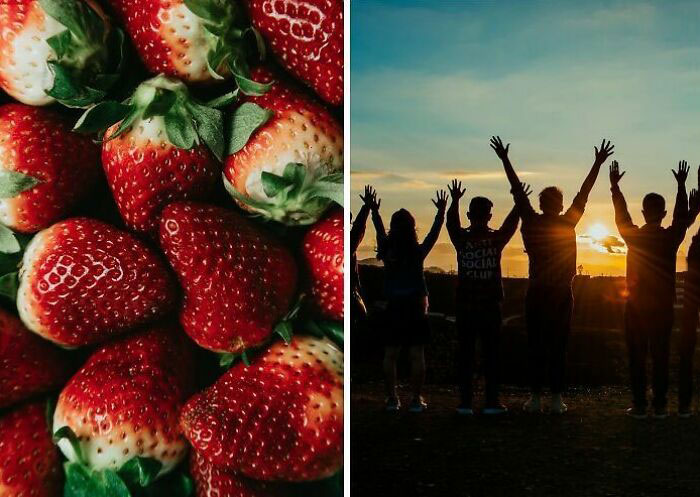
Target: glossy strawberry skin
301, 130
28, 365
168, 37
238, 281
307, 38
323, 252
125, 400
38, 142
210, 480
83, 281
30, 464
146, 172
281, 418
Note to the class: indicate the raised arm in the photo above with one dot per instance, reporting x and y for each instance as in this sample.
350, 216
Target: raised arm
377, 221
623, 220
510, 223
575, 212
440, 203
522, 201
453, 224
680, 210
357, 232
693, 206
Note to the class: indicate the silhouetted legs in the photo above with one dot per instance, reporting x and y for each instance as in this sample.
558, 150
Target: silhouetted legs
483, 322
648, 332
688, 338
417, 369
548, 315
391, 357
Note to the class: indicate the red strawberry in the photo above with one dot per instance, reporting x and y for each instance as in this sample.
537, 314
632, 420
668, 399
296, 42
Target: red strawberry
238, 280
307, 38
83, 281
196, 40
65, 51
210, 481
281, 418
124, 402
28, 364
45, 169
30, 464
291, 168
161, 149
323, 253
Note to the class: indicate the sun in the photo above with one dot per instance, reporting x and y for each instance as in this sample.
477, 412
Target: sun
598, 231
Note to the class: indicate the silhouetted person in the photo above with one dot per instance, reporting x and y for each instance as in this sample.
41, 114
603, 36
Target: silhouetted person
407, 295
651, 281
479, 293
550, 242
689, 317
358, 311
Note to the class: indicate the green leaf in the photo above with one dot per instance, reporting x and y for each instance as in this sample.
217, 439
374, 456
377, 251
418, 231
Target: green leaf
210, 10
224, 100
79, 481
284, 329
273, 184
141, 471
71, 14
8, 285
62, 43
210, 127
244, 358
48, 413
334, 331
250, 87
113, 485
101, 116
245, 121
12, 183
67, 433
216, 58
160, 105
70, 92
295, 173
331, 191
259, 41
8, 241
180, 128
227, 359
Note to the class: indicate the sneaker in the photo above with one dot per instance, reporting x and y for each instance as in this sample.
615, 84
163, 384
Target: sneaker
495, 410
393, 404
636, 413
558, 406
685, 412
533, 404
418, 405
465, 410
660, 413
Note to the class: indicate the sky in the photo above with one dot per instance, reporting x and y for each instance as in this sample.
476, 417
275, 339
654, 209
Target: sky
431, 81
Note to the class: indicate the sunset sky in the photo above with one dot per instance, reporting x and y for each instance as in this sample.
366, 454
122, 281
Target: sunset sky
431, 81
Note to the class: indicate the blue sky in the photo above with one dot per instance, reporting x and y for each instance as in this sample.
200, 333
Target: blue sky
431, 81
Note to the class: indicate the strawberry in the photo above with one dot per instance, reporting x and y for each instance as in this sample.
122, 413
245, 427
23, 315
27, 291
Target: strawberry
121, 408
58, 50
210, 480
281, 418
323, 252
238, 280
193, 40
45, 169
30, 464
83, 281
161, 146
307, 38
286, 155
28, 364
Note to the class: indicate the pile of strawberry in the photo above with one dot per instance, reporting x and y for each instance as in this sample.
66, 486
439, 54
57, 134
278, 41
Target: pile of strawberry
171, 248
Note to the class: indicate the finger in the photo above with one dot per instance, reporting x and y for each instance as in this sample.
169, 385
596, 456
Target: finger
621, 175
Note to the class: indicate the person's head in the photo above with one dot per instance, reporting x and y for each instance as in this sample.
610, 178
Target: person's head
551, 200
479, 212
403, 224
653, 208
402, 236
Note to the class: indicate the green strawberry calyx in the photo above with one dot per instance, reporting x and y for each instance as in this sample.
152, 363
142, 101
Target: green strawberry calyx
88, 55
299, 196
137, 476
228, 33
188, 122
12, 245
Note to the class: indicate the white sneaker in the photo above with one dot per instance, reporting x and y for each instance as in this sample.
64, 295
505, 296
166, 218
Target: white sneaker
495, 410
533, 404
465, 411
636, 413
392, 404
558, 406
418, 405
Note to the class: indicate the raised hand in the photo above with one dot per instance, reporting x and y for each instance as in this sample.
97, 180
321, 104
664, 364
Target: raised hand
456, 191
615, 174
605, 151
693, 204
440, 200
682, 174
497, 146
370, 198
527, 189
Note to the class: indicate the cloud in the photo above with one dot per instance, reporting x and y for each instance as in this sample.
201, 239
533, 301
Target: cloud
610, 244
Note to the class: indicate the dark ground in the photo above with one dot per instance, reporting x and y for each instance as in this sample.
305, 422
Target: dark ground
593, 450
